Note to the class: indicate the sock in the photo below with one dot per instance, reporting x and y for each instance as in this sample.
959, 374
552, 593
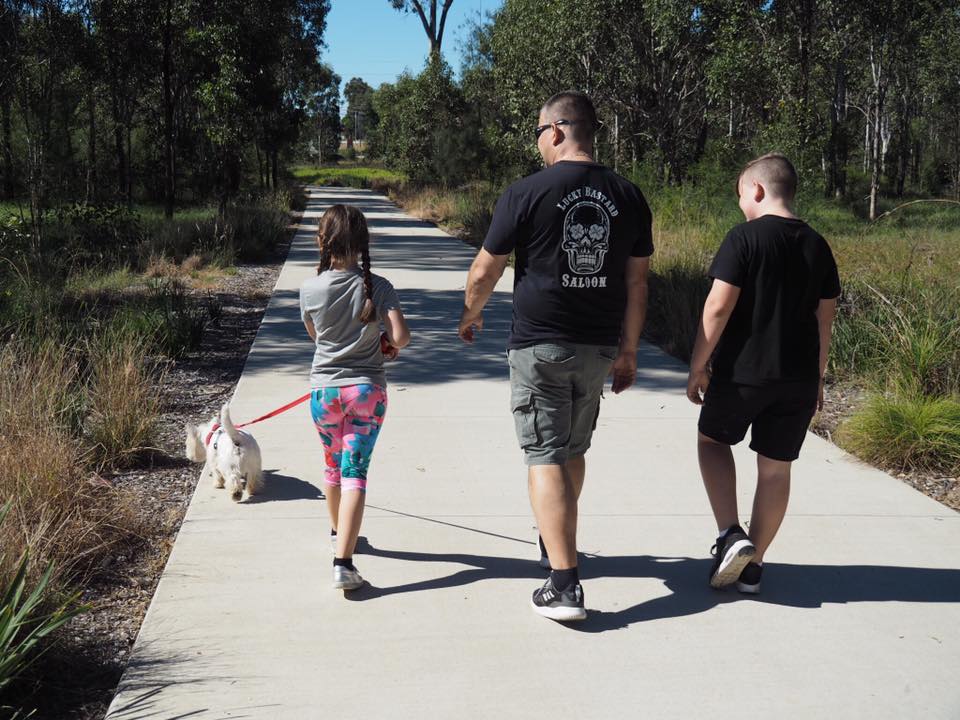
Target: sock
344, 562
543, 548
563, 579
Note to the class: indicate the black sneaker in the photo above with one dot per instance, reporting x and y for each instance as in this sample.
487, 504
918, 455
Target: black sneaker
749, 580
731, 554
565, 606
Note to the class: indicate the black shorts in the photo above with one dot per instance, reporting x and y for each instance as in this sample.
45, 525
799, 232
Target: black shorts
780, 414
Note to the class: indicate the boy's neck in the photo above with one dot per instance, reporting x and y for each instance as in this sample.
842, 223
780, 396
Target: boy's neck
777, 209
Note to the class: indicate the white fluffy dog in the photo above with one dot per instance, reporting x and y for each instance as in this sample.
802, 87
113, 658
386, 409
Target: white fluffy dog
230, 456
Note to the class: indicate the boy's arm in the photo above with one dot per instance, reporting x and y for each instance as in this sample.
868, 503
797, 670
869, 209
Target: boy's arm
716, 312
625, 366
826, 311
311, 330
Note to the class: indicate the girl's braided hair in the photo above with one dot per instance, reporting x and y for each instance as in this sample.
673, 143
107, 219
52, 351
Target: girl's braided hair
343, 235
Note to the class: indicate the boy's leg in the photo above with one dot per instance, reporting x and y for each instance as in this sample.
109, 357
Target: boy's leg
778, 435
769, 502
720, 480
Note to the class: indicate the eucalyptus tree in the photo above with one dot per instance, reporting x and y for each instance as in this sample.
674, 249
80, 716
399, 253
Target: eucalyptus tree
432, 15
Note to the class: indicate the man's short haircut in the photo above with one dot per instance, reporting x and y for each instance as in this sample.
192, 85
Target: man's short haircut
577, 107
775, 172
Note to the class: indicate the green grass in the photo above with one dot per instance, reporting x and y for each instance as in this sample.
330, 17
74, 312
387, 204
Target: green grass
89, 281
142, 210
359, 176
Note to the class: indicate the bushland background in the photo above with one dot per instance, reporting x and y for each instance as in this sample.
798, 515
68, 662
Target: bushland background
152, 150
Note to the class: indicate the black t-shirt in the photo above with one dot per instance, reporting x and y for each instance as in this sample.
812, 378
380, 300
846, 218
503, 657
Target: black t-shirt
573, 225
783, 269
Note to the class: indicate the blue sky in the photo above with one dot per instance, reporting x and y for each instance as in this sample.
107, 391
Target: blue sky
371, 40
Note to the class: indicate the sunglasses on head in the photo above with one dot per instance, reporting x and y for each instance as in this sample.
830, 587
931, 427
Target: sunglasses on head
541, 128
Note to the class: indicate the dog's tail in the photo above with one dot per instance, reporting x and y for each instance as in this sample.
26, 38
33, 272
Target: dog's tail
227, 424
195, 447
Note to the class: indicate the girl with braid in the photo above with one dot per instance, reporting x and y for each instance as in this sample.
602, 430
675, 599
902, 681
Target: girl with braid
342, 308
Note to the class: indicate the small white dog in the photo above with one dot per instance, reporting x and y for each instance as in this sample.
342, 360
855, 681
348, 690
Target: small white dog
230, 456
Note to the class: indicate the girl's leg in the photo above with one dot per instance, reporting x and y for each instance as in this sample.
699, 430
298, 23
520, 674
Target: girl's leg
365, 406
327, 411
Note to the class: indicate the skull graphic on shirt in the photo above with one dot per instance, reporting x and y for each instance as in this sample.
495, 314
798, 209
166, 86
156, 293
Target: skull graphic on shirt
586, 237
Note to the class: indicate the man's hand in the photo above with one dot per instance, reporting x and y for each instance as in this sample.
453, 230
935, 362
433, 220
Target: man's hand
469, 325
697, 383
624, 371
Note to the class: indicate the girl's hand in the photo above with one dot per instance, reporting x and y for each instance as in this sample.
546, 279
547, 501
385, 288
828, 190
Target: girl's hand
389, 351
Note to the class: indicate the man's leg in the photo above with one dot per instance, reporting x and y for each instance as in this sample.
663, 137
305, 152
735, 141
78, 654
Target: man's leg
576, 470
553, 496
720, 480
769, 502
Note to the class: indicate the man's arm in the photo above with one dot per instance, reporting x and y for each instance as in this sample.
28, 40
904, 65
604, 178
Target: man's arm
826, 311
625, 366
311, 330
716, 312
486, 270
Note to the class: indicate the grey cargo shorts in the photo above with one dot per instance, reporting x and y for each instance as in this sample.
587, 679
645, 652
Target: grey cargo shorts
555, 393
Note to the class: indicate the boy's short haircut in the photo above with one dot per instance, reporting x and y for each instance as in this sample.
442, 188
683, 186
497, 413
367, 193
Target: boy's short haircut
577, 107
775, 172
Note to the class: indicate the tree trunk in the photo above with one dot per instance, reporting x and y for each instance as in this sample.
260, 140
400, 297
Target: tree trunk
8, 169
119, 147
274, 162
169, 168
259, 164
91, 189
128, 169
836, 147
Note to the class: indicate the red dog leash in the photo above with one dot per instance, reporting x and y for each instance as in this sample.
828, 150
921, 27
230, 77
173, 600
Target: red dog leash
273, 413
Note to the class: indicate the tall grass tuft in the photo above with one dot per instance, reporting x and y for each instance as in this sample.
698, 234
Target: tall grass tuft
123, 405
906, 433
54, 508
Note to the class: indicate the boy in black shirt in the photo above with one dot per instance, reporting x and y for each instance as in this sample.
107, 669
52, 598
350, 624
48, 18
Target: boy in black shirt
767, 323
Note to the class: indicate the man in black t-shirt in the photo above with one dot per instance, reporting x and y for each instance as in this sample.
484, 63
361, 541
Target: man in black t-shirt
581, 236
767, 323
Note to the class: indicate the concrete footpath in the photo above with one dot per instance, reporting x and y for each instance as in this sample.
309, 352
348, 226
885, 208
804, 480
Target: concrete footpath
859, 616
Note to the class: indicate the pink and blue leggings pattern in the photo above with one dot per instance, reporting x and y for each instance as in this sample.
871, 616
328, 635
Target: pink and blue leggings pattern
348, 420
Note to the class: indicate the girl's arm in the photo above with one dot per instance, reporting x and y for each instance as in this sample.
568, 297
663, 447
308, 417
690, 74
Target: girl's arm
311, 330
395, 325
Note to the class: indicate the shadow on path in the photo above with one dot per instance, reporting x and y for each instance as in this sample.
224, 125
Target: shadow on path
799, 586
277, 487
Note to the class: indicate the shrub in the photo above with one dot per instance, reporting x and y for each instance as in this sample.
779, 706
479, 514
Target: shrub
906, 433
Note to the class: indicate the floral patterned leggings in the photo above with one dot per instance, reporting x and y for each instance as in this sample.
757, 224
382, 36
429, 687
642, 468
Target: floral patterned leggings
348, 420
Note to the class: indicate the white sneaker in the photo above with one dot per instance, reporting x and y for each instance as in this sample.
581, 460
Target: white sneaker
346, 579
333, 545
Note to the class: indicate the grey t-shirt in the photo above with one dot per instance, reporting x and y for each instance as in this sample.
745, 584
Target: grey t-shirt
347, 350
